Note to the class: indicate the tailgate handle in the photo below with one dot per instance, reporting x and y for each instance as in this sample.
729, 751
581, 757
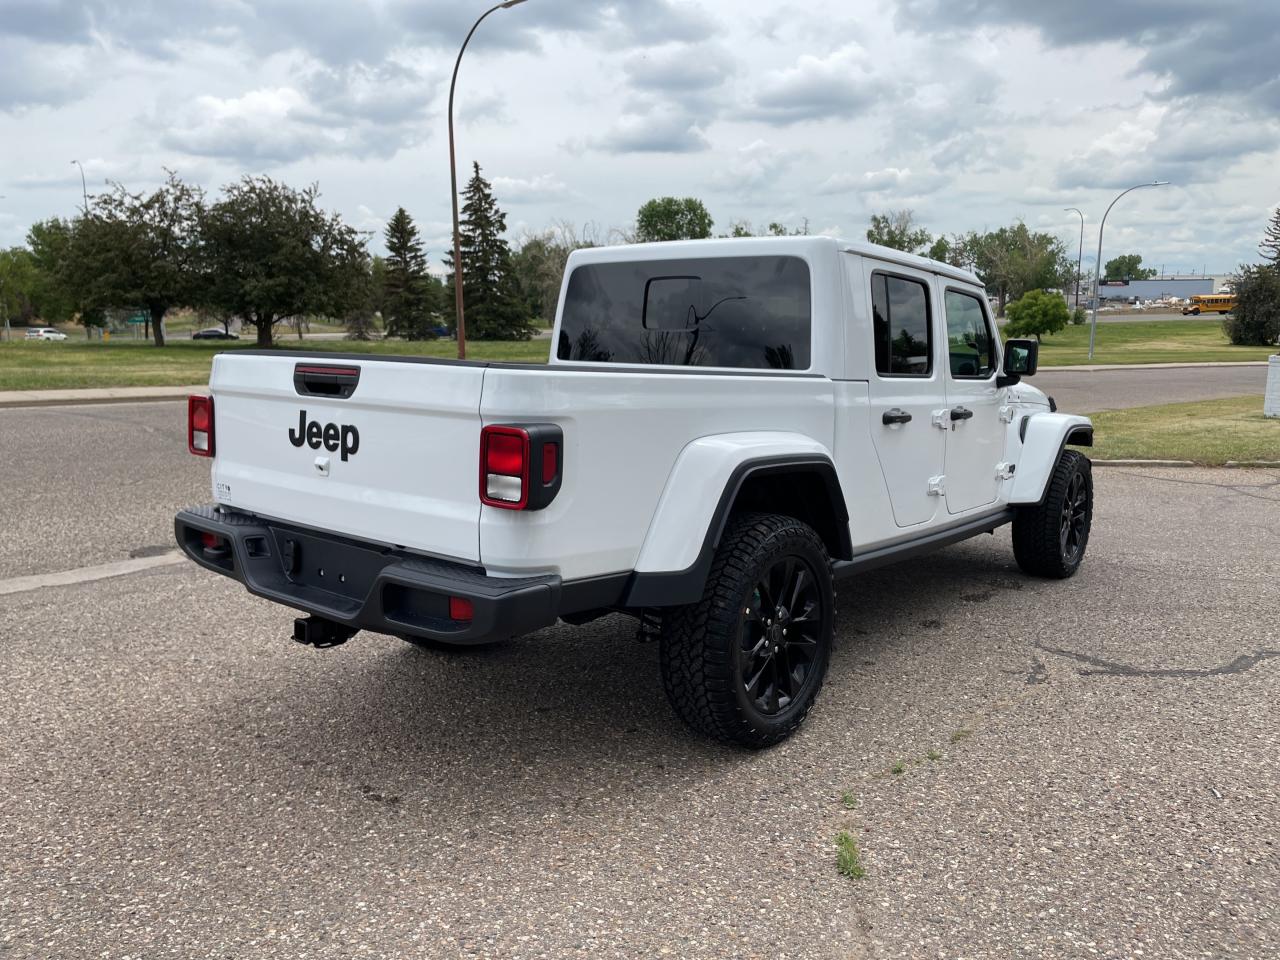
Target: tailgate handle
322, 380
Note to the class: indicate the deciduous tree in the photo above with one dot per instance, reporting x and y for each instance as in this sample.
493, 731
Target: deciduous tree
898, 229
270, 253
1036, 314
1255, 321
1127, 266
673, 218
1270, 245
139, 250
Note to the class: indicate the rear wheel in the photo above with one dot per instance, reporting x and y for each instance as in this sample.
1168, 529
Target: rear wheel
1049, 538
745, 663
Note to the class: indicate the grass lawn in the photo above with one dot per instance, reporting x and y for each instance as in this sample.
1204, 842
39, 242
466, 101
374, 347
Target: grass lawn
135, 363
1208, 431
1167, 341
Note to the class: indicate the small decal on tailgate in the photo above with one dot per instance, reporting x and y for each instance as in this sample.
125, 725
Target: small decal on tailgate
222, 490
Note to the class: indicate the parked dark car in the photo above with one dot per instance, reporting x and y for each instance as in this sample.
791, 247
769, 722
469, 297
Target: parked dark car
214, 333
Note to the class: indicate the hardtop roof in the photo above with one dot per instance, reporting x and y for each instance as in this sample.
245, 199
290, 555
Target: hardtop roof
763, 246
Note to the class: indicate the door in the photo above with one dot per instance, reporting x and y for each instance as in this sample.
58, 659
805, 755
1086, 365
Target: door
906, 390
975, 432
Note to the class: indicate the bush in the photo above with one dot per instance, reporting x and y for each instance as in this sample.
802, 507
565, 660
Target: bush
1255, 321
1036, 314
1079, 315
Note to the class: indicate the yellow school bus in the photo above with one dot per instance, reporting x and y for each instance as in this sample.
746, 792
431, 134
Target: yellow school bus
1210, 303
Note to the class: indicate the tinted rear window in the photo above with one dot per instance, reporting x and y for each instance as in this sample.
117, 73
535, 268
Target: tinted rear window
748, 312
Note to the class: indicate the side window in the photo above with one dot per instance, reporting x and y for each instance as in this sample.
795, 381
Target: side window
970, 345
903, 334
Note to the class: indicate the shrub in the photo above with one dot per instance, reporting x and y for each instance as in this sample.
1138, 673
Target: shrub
1079, 315
1036, 314
1256, 319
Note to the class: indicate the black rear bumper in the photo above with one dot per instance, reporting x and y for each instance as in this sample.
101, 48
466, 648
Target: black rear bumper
364, 586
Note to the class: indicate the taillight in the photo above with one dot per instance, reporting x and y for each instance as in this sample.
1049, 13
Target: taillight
200, 425
520, 466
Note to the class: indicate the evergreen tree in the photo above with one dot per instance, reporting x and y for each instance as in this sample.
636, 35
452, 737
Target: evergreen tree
493, 304
405, 291
1270, 245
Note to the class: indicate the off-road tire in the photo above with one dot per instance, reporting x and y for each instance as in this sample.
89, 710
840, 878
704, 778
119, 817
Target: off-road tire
700, 647
1038, 540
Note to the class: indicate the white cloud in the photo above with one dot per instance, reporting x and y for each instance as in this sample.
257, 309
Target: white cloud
544, 186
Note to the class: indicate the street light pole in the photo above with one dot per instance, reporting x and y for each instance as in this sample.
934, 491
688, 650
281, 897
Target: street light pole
1097, 277
84, 189
1079, 253
453, 182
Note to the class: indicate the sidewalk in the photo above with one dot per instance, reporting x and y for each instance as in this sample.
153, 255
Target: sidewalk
53, 398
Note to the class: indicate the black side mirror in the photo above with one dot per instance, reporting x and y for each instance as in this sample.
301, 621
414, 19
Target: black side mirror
1020, 359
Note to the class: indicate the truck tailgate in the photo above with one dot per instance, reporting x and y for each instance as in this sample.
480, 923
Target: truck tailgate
396, 461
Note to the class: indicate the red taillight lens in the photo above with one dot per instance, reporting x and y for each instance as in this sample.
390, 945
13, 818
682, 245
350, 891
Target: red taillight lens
200, 426
504, 467
460, 608
211, 541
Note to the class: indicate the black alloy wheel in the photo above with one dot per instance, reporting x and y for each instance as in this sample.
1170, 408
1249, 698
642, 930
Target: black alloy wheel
1073, 528
782, 626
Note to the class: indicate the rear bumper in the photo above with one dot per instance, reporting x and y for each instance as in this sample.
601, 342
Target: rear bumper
365, 586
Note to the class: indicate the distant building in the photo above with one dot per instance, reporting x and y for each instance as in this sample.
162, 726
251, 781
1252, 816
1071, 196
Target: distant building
1158, 289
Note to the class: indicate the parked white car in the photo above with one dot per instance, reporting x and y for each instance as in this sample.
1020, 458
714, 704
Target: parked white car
723, 426
45, 333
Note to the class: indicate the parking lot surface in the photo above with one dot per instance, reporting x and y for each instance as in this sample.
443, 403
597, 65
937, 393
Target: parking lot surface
1031, 769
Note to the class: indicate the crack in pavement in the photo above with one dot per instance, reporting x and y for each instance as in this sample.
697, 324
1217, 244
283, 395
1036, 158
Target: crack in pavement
1242, 489
1110, 668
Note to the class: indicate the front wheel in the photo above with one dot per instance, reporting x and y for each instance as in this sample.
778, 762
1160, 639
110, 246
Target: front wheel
1049, 538
745, 663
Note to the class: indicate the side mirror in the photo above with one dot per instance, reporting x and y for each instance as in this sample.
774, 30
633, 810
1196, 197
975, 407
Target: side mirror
1020, 360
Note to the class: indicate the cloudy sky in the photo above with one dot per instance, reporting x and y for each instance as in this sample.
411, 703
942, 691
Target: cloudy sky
971, 112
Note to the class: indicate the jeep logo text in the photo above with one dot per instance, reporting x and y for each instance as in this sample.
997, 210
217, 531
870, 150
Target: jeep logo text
332, 436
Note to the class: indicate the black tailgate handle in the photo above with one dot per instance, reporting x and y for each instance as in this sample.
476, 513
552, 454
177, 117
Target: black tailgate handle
325, 380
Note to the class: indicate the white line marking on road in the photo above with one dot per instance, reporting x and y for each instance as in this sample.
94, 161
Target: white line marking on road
88, 574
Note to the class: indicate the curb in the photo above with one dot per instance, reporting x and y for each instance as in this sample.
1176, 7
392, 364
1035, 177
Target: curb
1233, 464
20, 399
1144, 463
1104, 367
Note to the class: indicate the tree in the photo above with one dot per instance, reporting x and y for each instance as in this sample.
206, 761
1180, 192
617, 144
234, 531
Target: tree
270, 253
897, 229
1127, 267
54, 297
406, 294
1255, 321
673, 218
1037, 313
1012, 261
19, 281
139, 251
494, 308
1270, 245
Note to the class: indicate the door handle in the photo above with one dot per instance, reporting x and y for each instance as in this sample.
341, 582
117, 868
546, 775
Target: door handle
895, 415
960, 413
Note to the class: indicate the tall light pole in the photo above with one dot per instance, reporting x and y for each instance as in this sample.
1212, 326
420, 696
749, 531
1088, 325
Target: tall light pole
1097, 276
84, 189
453, 181
1079, 252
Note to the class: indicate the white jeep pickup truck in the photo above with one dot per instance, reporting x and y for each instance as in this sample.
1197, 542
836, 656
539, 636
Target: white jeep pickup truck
723, 427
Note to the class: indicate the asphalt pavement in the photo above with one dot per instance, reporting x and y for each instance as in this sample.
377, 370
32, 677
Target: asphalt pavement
1083, 768
1091, 391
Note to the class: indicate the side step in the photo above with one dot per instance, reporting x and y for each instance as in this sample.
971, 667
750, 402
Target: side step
320, 633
